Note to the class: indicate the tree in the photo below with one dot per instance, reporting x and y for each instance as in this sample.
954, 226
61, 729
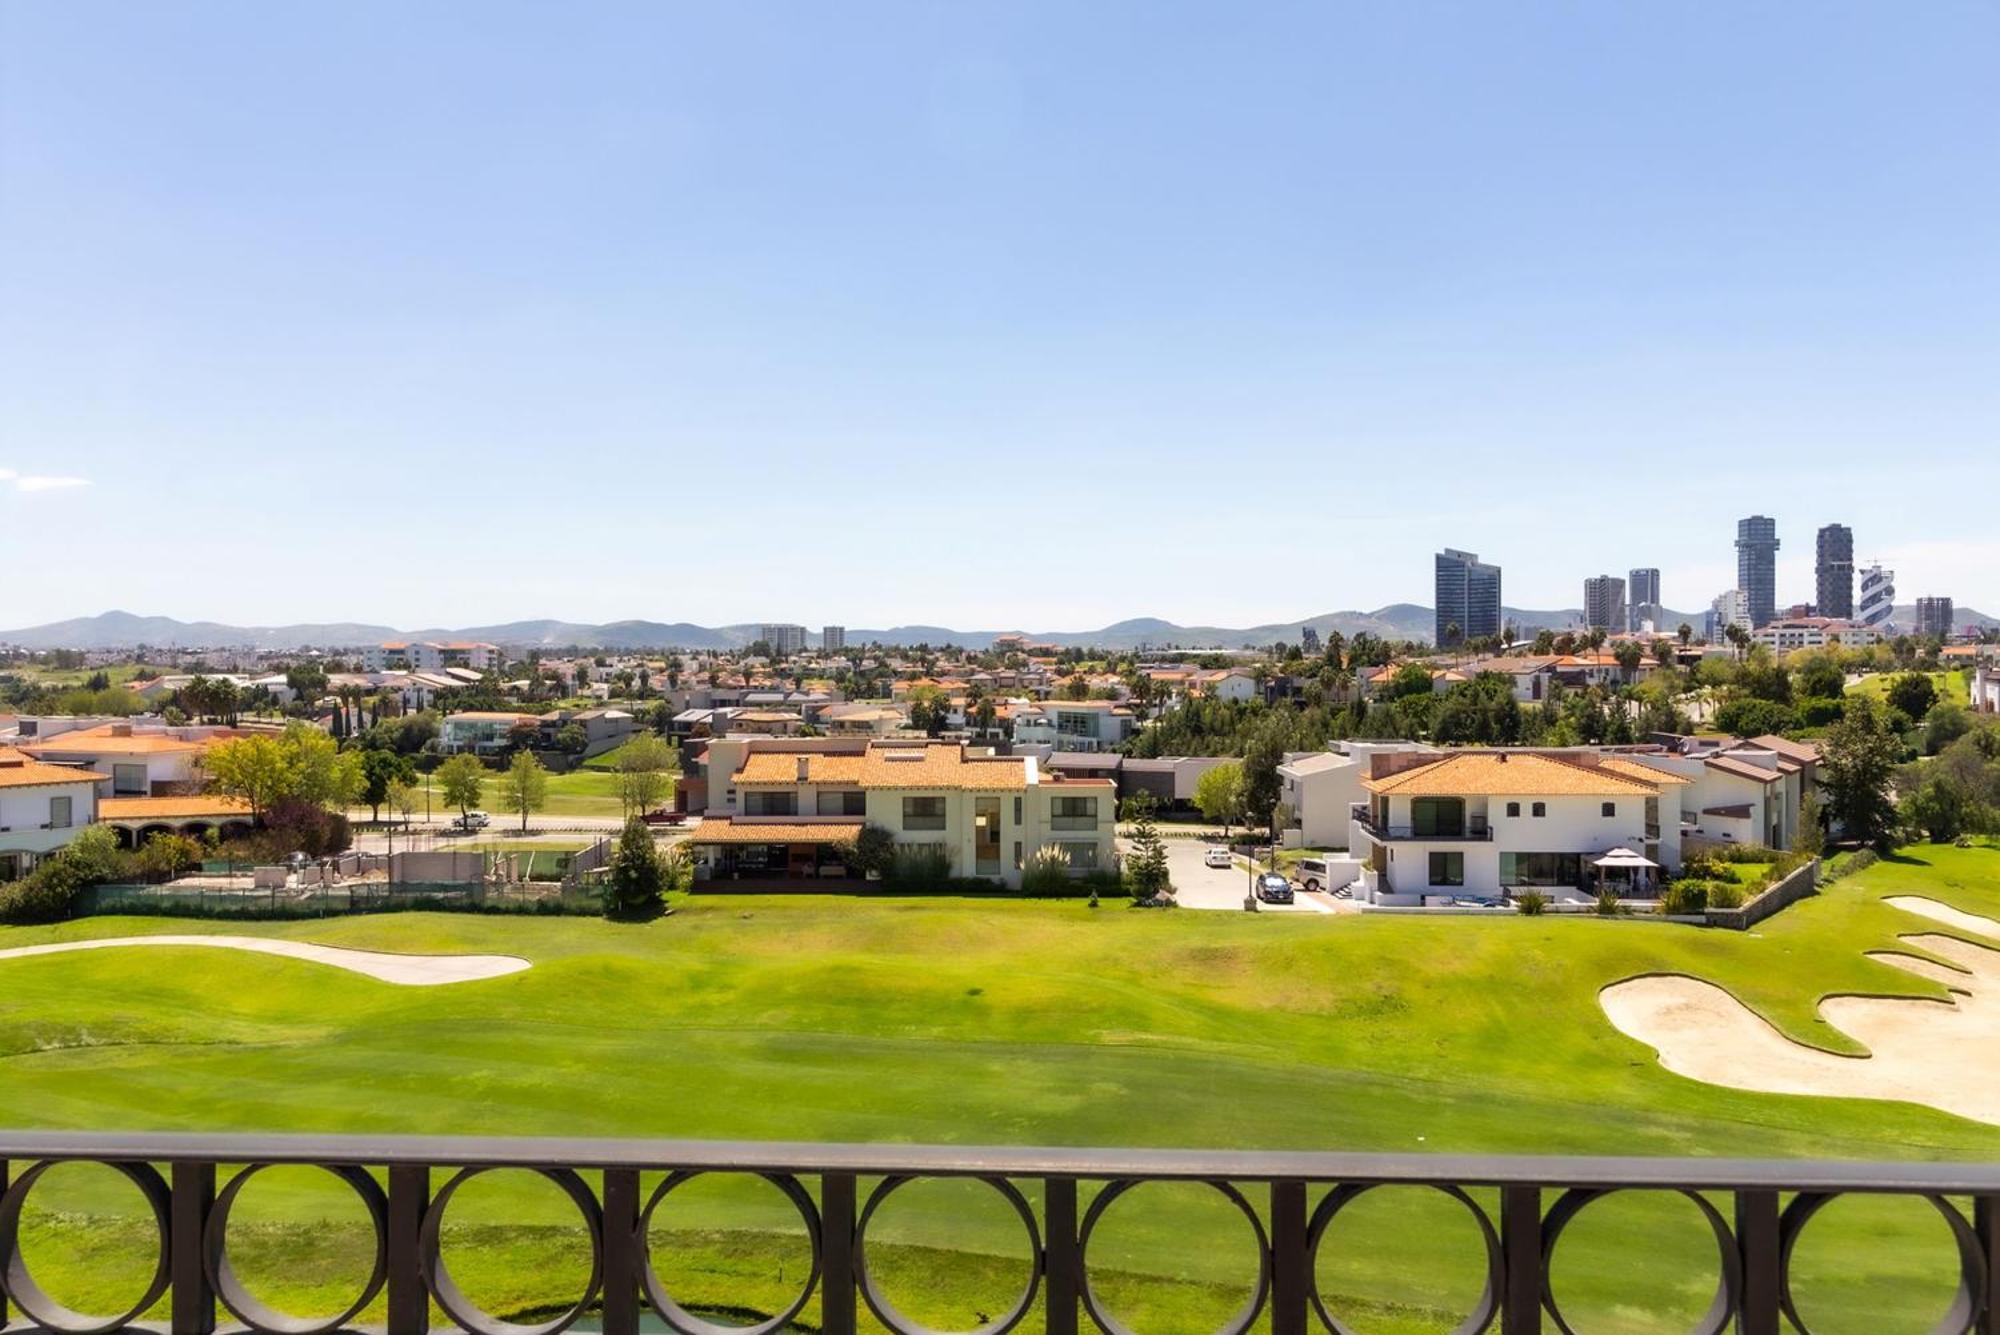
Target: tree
1219, 794
1819, 677
255, 769
1913, 693
402, 798
524, 786
1260, 772
461, 779
572, 739
1747, 716
1857, 764
380, 771
643, 765
1943, 807
1146, 866
637, 884
929, 708
1686, 632
1629, 656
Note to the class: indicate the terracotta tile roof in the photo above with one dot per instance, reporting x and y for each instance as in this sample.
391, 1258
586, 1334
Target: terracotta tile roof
22, 771
939, 765
1642, 772
783, 767
1805, 753
1497, 774
171, 808
725, 831
102, 741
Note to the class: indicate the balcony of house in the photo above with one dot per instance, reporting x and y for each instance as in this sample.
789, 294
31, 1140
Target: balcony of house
1426, 823
1073, 814
1284, 1207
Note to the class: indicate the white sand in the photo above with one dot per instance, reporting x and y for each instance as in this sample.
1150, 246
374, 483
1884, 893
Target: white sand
408, 970
1920, 1051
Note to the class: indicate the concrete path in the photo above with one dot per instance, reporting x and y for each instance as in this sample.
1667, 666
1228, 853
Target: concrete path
1199, 886
407, 970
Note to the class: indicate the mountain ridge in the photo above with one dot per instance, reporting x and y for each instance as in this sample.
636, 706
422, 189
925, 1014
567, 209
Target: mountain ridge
121, 630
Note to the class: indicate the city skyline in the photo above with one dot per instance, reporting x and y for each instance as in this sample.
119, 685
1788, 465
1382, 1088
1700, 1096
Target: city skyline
330, 287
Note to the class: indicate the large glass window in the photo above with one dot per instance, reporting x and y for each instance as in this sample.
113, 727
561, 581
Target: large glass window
1447, 869
1082, 857
845, 803
1073, 813
1437, 815
771, 804
923, 813
129, 779
1541, 869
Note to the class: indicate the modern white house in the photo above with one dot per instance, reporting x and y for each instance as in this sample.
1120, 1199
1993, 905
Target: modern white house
1986, 688
1320, 788
788, 808
42, 806
430, 655
1489, 823
482, 731
1073, 725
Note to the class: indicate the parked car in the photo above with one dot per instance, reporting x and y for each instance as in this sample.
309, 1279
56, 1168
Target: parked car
1310, 874
1218, 857
1274, 889
471, 820
663, 816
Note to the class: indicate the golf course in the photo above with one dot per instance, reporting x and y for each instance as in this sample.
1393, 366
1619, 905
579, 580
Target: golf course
980, 1021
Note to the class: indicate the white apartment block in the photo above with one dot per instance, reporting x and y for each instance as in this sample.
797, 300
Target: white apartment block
430, 655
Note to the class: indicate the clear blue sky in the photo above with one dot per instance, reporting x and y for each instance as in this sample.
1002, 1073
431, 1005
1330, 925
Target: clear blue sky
1028, 315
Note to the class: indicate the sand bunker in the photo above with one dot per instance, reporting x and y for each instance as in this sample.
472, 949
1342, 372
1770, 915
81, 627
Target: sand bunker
408, 970
1918, 1048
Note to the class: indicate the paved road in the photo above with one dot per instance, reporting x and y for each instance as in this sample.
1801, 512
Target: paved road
1199, 886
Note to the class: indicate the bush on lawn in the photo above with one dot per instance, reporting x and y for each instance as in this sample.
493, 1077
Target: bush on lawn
1725, 895
1685, 898
48, 893
916, 867
1046, 872
1531, 902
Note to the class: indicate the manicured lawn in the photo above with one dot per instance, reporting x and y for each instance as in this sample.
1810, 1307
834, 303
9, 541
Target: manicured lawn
1954, 685
851, 1018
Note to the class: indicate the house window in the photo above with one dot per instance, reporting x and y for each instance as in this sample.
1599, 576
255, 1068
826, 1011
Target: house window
1073, 813
1017, 811
771, 804
1609, 809
923, 813
1513, 808
1082, 857
129, 779
59, 813
1447, 869
1017, 850
1437, 816
1539, 809
851, 803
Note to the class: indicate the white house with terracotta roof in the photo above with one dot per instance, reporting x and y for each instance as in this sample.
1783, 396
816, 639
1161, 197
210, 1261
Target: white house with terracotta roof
139, 760
787, 808
1495, 822
1320, 788
42, 806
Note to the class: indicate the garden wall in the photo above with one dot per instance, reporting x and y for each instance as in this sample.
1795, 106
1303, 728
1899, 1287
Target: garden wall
1784, 894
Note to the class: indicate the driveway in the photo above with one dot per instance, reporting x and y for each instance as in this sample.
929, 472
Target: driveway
1199, 886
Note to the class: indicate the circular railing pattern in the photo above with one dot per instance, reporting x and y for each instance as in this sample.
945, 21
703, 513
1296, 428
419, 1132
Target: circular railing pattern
1729, 1285
1966, 1303
437, 1275
886, 1311
251, 1310
1245, 1317
678, 1318
30, 1296
1483, 1310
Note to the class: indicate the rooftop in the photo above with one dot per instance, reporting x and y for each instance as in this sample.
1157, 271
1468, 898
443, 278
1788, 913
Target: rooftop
22, 771
1510, 774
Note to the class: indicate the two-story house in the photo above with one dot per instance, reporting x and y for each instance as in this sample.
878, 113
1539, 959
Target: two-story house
1494, 822
42, 806
789, 809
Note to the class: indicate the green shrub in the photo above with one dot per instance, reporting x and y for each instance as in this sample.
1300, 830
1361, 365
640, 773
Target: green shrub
1607, 903
1685, 897
1725, 895
1846, 864
1531, 902
1046, 872
916, 867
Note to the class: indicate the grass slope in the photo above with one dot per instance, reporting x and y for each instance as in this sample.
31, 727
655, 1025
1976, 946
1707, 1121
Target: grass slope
1012, 1021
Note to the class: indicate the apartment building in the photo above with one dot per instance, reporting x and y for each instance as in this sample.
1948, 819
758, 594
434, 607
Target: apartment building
1789, 633
1468, 600
788, 808
1604, 602
430, 655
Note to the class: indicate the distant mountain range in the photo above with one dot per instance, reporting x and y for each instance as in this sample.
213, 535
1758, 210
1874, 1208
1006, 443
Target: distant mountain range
1398, 621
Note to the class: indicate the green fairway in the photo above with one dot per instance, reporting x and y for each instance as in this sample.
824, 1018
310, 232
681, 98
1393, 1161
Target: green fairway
1953, 685
1007, 1021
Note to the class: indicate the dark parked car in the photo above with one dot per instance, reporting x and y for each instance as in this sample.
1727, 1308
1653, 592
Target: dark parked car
1274, 889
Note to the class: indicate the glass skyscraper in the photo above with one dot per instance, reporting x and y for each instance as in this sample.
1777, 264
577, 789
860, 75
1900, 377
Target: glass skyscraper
1468, 598
1757, 567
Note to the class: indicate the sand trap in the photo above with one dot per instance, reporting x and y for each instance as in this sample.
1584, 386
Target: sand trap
408, 970
1918, 1048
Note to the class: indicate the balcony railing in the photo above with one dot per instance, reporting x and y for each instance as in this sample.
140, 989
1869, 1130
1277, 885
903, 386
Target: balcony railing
1288, 1202
1475, 830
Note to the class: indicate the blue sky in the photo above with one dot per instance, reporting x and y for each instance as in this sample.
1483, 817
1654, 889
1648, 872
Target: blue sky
1030, 315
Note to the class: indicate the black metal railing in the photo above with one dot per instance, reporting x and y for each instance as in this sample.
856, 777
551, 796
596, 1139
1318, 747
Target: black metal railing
1289, 1202
1474, 830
